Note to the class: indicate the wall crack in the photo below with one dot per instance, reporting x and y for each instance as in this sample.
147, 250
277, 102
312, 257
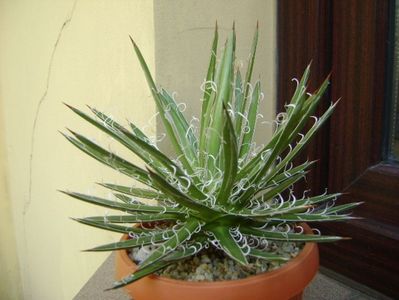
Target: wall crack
41, 102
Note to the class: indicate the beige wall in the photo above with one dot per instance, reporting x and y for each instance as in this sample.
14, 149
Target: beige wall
79, 52
54, 51
10, 286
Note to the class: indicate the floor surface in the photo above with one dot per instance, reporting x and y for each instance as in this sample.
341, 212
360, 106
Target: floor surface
321, 288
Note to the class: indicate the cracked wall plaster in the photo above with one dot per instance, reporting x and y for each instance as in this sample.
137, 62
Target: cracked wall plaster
41, 101
79, 53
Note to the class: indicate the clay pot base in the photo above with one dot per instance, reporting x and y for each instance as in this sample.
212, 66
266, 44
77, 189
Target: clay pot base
285, 283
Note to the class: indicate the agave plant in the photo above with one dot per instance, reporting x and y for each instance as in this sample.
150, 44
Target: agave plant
221, 190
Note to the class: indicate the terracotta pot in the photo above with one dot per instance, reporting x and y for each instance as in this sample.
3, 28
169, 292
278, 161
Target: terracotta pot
285, 283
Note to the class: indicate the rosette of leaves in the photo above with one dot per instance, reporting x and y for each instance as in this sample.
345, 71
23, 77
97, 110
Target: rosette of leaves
220, 190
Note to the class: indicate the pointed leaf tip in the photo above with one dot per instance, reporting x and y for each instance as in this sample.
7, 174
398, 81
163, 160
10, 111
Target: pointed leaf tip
69, 106
134, 43
64, 134
71, 131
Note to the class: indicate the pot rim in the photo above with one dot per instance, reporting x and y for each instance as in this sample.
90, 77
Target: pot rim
308, 250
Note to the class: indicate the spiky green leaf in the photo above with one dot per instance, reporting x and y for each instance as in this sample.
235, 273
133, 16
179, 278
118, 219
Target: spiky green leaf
178, 254
126, 207
141, 240
111, 227
136, 192
284, 236
180, 236
208, 92
202, 211
137, 218
229, 244
108, 158
161, 108
230, 158
251, 116
223, 81
267, 255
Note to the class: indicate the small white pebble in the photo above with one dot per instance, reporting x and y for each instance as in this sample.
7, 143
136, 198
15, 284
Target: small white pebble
212, 265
